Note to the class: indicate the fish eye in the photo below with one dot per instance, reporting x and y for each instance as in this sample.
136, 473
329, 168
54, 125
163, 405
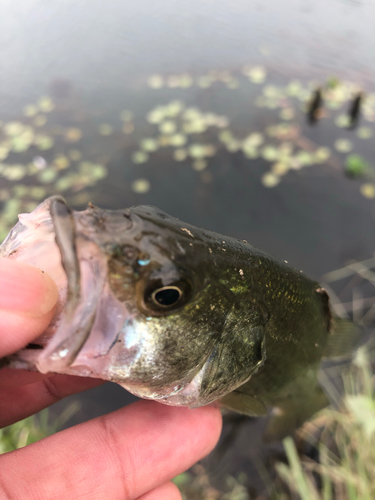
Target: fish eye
159, 299
167, 296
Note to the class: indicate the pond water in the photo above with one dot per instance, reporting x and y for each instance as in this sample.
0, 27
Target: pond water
198, 108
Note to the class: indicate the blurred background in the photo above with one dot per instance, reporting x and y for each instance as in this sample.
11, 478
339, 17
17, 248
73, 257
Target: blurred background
253, 119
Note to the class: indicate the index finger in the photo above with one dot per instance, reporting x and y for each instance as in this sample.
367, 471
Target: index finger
120, 456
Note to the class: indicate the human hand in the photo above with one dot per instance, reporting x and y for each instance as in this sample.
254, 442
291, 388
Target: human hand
129, 454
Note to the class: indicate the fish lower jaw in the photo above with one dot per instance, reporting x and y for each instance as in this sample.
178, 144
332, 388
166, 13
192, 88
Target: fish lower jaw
176, 395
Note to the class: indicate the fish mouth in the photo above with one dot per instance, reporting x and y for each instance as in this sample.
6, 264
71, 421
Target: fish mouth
82, 330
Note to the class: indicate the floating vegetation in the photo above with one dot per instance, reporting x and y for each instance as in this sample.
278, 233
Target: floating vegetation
365, 132
149, 145
342, 121
180, 154
270, 180
281, 144
343, 145
140, 157
44, 142
45, 151
167, 127
45, 104
156, 82
105, 129
36, 161
356, 166
368, 190
141, 186
256, 74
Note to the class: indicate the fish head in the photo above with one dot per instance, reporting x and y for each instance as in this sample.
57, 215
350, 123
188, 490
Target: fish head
152, 312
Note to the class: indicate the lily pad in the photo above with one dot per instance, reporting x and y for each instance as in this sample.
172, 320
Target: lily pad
14, 128
270, 180
4, 152
343, 145
43, 142
156, 82
149, 145
255, 139
140, 157
47, 176
156, 115
368, 190
280, 168
342, 121
174, 108
197, 151
365, 132
61, 162
14, 172
180, 154
226, 136
178, 140
294, 88
321, 155
194, 127
141, 186
46, 104
269, 153
167, 127
257, 74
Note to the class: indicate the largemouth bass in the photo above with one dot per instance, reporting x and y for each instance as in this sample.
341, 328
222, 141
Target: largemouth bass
175, 313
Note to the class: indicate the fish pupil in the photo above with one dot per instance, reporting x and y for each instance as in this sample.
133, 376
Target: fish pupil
167, 296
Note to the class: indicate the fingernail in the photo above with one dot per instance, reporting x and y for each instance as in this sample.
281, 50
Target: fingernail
26, 290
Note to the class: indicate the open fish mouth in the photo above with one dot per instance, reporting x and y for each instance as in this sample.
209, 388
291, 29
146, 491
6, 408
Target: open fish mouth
82, 328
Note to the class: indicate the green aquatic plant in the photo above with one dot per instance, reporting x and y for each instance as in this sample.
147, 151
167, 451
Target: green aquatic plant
356, 166
346, 469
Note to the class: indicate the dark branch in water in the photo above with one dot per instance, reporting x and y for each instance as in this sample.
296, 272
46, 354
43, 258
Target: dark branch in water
315, 107
355, 110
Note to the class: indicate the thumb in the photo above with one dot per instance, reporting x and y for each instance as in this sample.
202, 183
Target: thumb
28, 298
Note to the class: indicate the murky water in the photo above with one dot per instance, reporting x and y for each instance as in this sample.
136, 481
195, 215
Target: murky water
198, 108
